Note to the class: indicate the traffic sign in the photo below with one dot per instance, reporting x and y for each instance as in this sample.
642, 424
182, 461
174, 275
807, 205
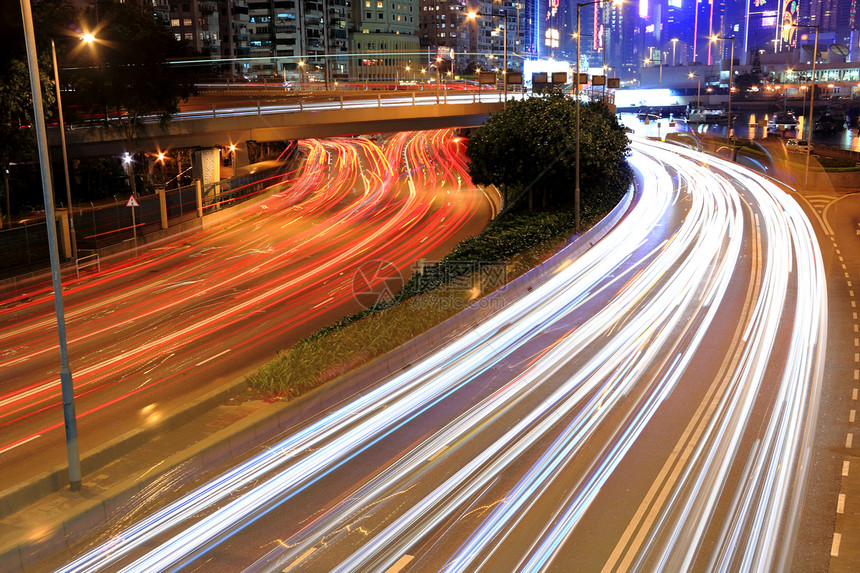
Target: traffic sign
132, 202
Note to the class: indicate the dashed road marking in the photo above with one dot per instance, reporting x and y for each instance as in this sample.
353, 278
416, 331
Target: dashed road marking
849, 439
840, 505
846, 465
854, 394
851, 416
834, 548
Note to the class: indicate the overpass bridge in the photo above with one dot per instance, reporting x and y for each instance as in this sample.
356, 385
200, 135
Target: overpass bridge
322, 115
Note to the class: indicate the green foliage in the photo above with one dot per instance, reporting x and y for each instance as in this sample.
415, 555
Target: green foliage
517, 240
531, 146
838, 164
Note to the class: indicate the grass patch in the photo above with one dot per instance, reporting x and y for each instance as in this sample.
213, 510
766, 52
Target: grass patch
510, 245
838, 164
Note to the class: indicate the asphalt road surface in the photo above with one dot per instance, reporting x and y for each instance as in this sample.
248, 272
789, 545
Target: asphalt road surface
150, 334
650, 405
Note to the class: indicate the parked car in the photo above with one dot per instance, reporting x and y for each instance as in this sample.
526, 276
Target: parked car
799, 145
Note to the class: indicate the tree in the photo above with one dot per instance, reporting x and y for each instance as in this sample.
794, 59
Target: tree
126, 75
531, 146
17, 137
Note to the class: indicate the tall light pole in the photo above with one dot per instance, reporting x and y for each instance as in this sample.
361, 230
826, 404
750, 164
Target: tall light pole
674, 45
698, 90
88, 38
504, 15
731, 74
811, 96
66, 383
301, 75
438, 63
576, 208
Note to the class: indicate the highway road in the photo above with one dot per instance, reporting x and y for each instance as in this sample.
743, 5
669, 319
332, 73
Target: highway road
151, 334
649, 405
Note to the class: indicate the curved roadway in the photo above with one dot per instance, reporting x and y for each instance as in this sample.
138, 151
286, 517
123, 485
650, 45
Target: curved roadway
649, 406
151, 334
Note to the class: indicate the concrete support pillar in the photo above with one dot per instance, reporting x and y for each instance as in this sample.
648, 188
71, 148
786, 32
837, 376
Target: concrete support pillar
206, 165
162, 205
198, 187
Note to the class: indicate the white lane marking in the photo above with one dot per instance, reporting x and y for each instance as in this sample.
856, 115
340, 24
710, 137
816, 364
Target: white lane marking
13, 446
856, 374
840, 505
401, 563
854, 394
213, 357
846, 465
28, 393
299, 559
849, 439
437, 453
851, 416
834, 549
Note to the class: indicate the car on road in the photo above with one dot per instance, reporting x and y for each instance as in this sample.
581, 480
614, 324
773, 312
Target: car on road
799, 145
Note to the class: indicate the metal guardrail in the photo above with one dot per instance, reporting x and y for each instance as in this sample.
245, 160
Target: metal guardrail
87, 261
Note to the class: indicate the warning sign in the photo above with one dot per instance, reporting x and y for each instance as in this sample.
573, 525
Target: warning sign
132, 202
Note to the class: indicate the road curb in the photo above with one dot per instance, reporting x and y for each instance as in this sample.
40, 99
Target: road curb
16, 498
238, 439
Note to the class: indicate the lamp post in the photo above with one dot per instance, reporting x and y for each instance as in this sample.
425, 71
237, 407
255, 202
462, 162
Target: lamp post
438, 63
698, 89
504, 15
576, 89
811, 96
301, 75
674, 45
66, 383
731, 73
87, 38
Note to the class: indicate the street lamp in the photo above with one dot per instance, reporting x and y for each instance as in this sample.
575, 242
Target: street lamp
301, 75
811, 95
471, 15
66, 384
87, 38
698, 90
714, 38
232, 159
576, 88
674, 45
438, 63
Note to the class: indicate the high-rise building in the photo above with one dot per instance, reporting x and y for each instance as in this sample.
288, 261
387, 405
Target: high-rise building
471, 34
383, 41
623, 50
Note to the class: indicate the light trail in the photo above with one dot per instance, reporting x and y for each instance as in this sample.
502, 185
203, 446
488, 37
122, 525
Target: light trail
654, 305
273, 265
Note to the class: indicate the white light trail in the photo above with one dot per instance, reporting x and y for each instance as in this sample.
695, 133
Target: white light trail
662, 308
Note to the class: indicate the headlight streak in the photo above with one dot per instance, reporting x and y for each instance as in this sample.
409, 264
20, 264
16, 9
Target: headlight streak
377, 410
676, 296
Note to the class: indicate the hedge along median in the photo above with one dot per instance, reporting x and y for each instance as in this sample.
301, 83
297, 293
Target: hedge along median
513, 243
